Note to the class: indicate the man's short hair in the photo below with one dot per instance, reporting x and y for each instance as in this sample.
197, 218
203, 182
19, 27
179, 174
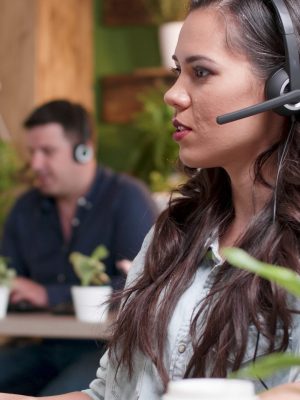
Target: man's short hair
73, 117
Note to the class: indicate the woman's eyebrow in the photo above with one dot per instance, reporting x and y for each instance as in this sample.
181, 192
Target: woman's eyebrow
194, 58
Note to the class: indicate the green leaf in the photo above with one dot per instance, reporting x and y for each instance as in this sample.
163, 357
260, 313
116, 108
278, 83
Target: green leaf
153, 123
100, 253
6, 274
282, 276
267, 366
287, 279
89, 269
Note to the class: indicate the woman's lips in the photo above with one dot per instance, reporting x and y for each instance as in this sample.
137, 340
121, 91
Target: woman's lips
179, 135
181, 130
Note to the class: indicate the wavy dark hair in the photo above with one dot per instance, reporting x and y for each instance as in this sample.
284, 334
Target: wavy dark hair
237, 298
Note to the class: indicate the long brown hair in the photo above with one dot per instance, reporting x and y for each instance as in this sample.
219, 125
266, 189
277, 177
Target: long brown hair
237, 298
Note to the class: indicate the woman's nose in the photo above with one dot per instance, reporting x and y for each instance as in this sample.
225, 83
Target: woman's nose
177, 97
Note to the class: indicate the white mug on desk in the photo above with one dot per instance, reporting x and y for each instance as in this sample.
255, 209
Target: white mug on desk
210, 389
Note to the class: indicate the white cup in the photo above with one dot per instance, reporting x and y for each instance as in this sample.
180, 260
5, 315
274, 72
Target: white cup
210, 389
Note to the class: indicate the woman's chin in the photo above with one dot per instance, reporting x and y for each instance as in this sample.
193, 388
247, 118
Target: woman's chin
191, 162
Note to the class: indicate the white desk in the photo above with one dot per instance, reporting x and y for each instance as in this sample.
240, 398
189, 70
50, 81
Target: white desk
48, 325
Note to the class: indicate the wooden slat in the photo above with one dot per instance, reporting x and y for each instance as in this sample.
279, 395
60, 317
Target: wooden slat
17, 40
64, 67
46, 49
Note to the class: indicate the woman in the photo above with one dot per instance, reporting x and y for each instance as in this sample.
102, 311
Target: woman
186, 312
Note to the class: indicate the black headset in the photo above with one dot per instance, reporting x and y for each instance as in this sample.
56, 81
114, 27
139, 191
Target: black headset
283, 86
82, 152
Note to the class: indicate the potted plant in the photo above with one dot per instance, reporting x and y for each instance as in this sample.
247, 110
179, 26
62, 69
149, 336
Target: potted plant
89, 298
154, 160
6, 277
168, 15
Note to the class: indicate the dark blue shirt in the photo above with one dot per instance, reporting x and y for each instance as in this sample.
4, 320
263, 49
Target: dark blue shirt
117, 213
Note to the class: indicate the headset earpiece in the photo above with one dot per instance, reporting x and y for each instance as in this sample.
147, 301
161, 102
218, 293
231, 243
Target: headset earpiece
83, 153
278, 84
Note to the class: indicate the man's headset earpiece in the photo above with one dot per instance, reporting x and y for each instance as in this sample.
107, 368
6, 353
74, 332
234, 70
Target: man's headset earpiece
83, 152
282, 87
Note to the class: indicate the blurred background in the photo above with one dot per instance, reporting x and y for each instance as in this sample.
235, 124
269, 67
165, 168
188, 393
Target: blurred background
105, 54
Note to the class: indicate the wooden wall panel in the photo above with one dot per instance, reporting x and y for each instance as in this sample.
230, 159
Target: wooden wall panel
64, 51
17, 61
46, 49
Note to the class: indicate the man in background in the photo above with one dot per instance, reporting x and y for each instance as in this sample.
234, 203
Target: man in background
74, 206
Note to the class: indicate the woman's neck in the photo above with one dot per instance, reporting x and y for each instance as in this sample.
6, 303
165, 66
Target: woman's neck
249, 198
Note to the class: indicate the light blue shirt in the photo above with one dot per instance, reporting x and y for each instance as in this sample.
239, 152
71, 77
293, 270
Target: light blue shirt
146, 383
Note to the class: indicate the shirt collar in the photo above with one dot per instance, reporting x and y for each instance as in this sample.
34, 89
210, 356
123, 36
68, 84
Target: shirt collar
215, 250
212, 244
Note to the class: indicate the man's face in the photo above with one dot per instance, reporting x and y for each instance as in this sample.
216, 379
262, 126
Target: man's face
51, 160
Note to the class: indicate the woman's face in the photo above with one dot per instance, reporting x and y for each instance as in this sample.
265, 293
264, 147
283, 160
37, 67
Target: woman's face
214, 80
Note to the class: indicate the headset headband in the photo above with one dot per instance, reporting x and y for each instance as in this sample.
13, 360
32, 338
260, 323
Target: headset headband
282, 102
286, 27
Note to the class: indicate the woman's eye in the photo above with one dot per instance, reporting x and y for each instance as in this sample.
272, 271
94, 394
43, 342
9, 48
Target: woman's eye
176, 71
201, 72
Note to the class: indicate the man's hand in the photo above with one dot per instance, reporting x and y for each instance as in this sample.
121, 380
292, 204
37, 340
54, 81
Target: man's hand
124, 265
24, 289
289, 391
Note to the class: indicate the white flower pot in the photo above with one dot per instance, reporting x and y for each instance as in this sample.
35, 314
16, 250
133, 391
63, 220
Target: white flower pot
168, 37
4, 296
89, 301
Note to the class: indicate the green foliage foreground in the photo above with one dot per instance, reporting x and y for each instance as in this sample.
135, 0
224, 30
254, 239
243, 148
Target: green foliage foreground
287, 279
155, 154
10, 187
